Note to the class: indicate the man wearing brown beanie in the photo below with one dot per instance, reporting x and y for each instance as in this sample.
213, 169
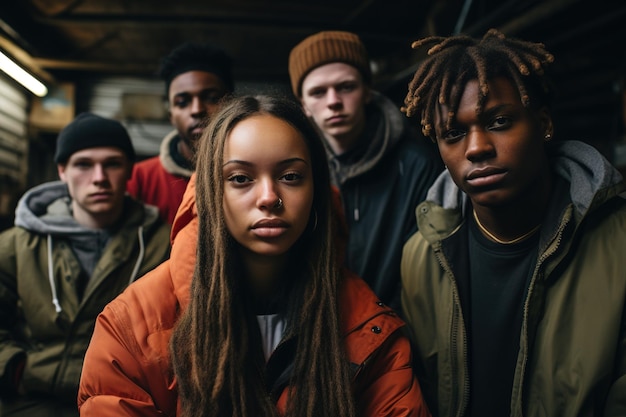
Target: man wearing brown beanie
376, 160
77, 243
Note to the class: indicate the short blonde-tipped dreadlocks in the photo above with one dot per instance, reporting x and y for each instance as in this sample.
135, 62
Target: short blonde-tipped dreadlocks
453, 61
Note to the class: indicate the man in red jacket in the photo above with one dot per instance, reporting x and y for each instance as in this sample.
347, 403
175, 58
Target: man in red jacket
197, 77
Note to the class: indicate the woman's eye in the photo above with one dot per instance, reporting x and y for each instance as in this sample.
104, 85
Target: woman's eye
238, 179
292, 176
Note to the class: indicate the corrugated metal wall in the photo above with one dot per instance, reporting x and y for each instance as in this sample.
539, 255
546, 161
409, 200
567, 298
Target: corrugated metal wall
14, 103
13, 133
108, 97
140, 105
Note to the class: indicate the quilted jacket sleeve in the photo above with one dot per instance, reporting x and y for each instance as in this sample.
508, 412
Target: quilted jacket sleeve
380, 354
125, 372
392, 388
11, 354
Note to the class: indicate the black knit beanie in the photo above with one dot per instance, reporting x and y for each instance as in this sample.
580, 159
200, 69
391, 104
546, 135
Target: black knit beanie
88, 130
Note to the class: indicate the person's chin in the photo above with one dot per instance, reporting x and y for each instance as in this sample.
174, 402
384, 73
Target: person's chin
191, 140
339, 130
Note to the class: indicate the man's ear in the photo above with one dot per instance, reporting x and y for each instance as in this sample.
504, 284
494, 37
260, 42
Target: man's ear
61, 172
167, 107
545, 120
129, 175
367, 94
306, 111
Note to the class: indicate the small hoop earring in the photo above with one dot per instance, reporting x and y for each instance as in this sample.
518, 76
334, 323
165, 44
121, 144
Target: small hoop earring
279, 203
547, 136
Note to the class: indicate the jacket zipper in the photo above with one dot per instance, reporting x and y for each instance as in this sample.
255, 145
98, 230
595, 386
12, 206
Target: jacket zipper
549, 252
456, 403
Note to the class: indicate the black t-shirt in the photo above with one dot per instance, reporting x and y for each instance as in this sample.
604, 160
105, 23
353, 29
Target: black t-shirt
498, 283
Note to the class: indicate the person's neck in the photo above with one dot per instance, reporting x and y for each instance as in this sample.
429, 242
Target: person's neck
263, 273
99, 221
513, 222
185, 150
346, 142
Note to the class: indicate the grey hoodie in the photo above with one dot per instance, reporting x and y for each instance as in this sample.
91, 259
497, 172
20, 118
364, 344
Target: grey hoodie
46, 210
56, 276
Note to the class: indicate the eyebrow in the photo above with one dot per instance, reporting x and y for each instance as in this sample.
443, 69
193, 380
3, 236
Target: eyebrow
250, 164
203, 91
91, 160
343, 81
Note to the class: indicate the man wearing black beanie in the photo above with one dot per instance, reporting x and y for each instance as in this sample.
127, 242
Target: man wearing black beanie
89, 130
197, 77
77, 243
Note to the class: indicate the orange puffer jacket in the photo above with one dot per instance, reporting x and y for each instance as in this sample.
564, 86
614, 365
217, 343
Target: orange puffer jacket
127, 369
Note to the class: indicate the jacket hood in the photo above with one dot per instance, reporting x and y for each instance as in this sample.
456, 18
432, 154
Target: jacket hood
385, 126
183, 237
186, 210
45, 209
166, 158
587, 171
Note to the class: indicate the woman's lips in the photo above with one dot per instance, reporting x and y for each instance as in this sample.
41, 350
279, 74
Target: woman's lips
269, 228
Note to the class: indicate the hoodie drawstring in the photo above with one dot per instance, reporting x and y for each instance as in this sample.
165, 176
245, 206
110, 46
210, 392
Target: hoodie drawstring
53, 287
142, 251
356, 213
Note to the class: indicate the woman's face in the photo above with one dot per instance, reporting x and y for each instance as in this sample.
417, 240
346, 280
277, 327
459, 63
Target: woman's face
268, 185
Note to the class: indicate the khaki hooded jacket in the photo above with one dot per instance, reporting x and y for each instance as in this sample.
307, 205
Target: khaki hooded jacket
572, 353
45, 324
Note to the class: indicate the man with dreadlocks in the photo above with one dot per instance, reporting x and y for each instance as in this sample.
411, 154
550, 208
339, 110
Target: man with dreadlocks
513, 287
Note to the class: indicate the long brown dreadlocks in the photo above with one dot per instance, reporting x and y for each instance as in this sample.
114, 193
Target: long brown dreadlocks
453, 61
215, 348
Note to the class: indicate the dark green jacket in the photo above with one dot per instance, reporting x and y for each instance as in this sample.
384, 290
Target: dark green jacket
42, 318
572, 356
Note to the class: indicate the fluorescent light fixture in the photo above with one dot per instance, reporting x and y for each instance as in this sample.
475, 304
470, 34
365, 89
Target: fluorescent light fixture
21, 76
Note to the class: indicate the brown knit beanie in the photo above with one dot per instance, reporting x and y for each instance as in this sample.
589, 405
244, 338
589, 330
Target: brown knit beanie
325, 48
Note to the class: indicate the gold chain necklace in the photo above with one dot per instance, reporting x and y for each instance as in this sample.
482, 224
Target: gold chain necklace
504, 242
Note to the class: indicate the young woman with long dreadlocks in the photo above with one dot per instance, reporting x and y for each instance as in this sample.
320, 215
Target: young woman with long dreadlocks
266, 324
514, 285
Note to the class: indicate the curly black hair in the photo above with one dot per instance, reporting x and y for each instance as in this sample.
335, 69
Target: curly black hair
191, 56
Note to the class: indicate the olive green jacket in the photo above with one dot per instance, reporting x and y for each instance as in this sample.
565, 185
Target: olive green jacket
42, 318
572, 355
